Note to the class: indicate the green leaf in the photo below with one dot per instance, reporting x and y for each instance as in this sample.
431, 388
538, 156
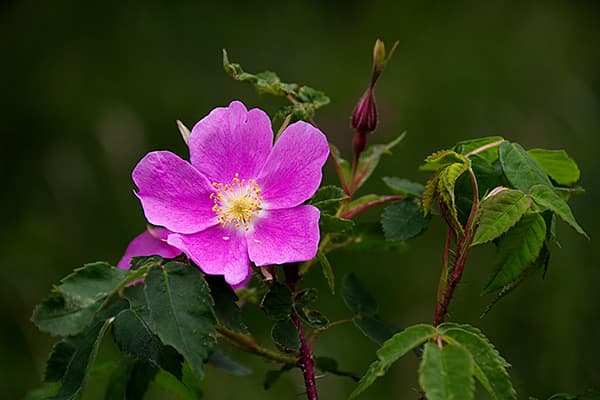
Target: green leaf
305, 297
490, 367
403, 220
327, 271
43, 393
328, 364
140, 376
331, 224
498, 213
369, 159
191, 388
521, 170
557, 164
221, 360
82, 351
357, 297
73, 304
430, 193
277, 303
441, 159
490, 154
517, 249
181, 311
404, 186
446, 373
445, 192
369, 238
343, 168
400, 344
285, 335
375, 328
314, 318
328, 198
225, 304
117, 384
547, 198
133, 336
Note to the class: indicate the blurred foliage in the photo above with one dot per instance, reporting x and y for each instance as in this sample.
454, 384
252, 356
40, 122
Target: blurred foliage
88, 88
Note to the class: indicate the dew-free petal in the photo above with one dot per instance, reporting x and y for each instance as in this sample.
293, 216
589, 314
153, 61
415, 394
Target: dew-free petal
292, 173
231, 140
217, 251
148, 244
284, 236
173, 193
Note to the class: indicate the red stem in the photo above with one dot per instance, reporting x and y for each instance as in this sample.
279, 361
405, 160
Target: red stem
305, 362
462, 251
363, 207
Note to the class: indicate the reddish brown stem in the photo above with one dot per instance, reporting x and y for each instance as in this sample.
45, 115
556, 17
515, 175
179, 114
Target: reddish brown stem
462, 251
305, 362
363, 207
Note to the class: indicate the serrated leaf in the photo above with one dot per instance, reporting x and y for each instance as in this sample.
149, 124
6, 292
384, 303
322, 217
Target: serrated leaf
342, 167
446, 373
328, 364
285, 335
227, 311
547, 198
305, 297
490, 154
328, 198
327, 271
403, 220
404, 186
445, 192
490, 367
181, 311
133, 336
441, 159
140, 376
519, 168
277, 303
375, 328
72, 305
517, 249
369, 159
357, 297
499, 213
397, 346
83, 349
314, 318
221, 360
430, 194
557, 164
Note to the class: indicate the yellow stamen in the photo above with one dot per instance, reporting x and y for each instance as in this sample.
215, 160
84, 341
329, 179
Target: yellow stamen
236, 202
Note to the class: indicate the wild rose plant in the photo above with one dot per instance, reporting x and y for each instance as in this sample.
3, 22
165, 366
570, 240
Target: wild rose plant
247, 217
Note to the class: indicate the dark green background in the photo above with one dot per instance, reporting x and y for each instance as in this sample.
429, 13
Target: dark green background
88, 88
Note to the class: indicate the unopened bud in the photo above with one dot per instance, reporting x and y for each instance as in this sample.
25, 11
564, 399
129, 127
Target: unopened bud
364, 117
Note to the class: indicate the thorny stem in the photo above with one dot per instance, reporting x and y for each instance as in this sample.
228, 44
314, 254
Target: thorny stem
364, 207
462, 251
305, 362
247, 343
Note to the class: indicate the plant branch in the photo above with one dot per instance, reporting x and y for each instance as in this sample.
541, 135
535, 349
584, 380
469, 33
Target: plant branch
364, 207
462, 251
305, 362
322, 329
248, 344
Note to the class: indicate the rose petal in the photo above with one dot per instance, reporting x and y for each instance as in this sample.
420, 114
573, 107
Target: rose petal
231, 140
173, 193
217, 251
146, 244
292, 173
283, 236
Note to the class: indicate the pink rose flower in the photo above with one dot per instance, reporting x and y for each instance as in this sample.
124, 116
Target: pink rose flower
239, 198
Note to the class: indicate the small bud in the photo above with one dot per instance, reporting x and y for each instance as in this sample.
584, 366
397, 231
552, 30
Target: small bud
379, 59
364, 117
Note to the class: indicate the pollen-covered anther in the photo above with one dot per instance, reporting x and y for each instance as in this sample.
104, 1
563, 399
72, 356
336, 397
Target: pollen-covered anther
236, 202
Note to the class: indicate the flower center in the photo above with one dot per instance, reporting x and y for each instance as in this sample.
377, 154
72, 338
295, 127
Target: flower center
236, 202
